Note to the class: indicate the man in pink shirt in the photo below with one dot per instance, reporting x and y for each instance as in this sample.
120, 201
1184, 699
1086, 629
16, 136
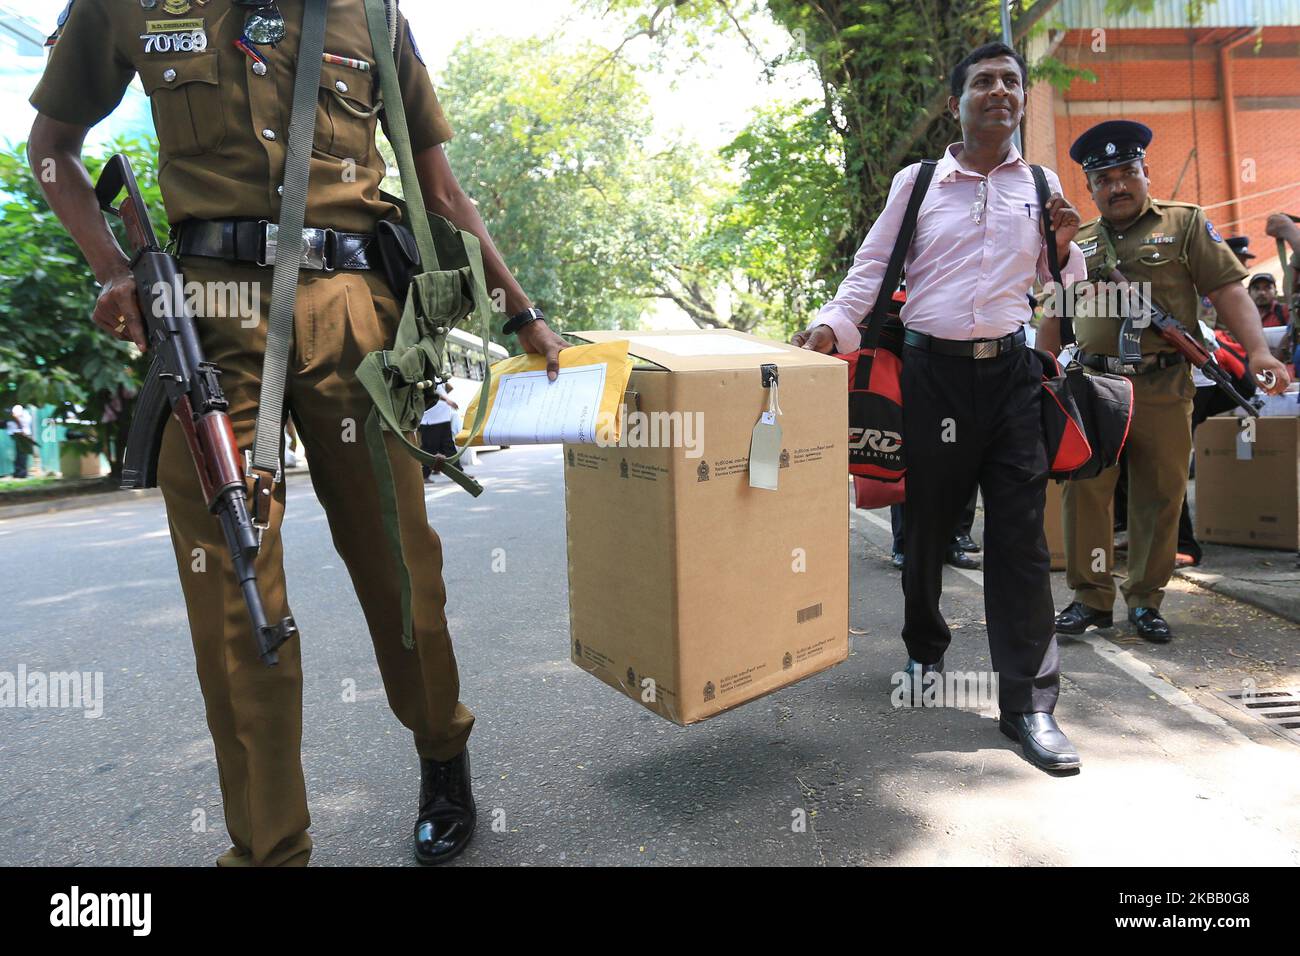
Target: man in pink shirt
971, 388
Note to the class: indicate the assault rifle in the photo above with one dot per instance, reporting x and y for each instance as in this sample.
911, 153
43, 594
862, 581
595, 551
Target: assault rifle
1176, 334
183, 385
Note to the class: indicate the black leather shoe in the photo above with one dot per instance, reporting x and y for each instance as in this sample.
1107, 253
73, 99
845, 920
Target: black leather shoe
897, 560
960, 559
1078, 617
447, 812
914, 686
966, 543
1150, 625
1045, 746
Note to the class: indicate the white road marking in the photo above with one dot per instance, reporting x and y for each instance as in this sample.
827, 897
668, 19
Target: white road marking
1133, 666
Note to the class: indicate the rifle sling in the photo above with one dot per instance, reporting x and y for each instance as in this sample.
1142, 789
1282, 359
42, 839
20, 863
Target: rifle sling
265, 465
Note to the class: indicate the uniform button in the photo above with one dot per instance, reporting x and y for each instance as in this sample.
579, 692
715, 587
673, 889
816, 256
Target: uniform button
259, 69
268, 134
169, 75
279, 190
341, 86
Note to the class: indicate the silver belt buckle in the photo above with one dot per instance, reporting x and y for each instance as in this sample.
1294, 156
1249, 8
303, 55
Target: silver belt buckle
313, 246
986, 350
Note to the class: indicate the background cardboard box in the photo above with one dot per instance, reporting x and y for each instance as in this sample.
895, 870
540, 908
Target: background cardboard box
1248, 493
690, 591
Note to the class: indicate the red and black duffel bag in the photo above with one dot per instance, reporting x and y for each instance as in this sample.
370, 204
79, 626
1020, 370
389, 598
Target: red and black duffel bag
1085, 416
875, 396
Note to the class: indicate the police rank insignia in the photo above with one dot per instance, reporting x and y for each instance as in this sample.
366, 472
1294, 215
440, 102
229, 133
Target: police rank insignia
1214, 233
174, 36
176, 7
1088, 247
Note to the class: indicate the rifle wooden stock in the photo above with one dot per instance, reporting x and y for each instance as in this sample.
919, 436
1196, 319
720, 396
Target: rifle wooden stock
183, 384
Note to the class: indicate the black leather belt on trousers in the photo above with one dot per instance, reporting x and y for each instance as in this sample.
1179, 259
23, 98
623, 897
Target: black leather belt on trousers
254, 241
966, 348
1150, 363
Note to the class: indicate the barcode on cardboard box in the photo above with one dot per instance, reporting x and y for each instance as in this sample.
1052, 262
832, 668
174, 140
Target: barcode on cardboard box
810, 613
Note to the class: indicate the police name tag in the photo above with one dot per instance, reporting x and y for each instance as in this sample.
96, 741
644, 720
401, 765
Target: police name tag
174, 36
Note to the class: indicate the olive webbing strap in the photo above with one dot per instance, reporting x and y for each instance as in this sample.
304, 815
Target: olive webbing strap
400, 137
288, 258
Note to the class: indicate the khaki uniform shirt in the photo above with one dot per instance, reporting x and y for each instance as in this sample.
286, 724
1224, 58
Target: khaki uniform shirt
223, 120
1173, 247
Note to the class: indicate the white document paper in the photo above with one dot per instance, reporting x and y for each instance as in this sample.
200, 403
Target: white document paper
529, 410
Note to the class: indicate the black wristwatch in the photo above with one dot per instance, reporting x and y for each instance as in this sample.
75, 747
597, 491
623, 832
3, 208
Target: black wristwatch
518, 321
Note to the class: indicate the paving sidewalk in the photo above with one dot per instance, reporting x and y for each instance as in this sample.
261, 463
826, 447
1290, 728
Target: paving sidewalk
1269, 580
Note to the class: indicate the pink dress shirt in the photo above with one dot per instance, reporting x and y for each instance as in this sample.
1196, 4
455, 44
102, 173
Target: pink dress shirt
965, 280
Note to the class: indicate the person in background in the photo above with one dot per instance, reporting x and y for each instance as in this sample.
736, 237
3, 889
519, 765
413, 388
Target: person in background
435, 428
960, 548
19, 428
972, 389
1286, 231
1263, 290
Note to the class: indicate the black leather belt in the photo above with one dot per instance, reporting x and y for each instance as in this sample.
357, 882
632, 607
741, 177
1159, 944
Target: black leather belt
254, 241
966, 348
1149, 363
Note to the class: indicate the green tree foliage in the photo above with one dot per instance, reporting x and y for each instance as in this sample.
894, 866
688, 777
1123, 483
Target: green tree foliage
557, 164
50, 351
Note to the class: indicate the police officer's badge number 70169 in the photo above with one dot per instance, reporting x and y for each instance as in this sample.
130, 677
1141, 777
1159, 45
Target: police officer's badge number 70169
174, 36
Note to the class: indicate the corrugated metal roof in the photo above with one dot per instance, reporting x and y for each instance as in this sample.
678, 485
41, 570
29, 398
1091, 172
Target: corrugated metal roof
1172, 14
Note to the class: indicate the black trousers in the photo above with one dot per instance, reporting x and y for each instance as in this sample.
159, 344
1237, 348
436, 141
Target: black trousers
20, 457
898, 521
969, 423
437, 440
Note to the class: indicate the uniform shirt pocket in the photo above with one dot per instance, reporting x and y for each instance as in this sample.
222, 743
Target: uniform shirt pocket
346, 119
188, 108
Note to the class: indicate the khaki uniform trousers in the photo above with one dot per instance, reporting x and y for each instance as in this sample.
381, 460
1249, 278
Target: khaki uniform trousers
255, 712
1159, 443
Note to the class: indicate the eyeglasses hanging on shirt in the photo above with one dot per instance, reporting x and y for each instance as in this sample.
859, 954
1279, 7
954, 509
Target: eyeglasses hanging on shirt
981, 201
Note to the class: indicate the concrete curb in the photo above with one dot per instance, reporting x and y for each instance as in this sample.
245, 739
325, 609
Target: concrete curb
1281, 597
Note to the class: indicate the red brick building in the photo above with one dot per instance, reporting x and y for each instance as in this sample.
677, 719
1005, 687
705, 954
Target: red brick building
1222, 97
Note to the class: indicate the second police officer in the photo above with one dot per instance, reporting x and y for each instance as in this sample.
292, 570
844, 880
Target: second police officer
1175, 253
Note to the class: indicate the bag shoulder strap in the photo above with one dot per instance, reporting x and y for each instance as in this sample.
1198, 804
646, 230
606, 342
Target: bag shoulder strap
284, 282
1049, 239
894, 270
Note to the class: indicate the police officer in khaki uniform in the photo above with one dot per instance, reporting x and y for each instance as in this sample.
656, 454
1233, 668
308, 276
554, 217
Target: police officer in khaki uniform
220, 78
1172, 247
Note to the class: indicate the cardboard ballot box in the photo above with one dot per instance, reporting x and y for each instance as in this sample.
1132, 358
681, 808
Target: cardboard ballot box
689, 590
1248, 493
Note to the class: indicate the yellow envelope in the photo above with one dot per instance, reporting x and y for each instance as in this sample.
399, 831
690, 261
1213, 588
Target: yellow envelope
583, 405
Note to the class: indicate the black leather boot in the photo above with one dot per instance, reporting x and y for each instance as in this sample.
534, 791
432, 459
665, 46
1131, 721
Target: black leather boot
447, 812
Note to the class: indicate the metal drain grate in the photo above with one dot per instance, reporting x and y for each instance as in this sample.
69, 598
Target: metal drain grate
1278, 709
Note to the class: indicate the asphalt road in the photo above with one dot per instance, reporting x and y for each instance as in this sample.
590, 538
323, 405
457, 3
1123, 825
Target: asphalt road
572, 773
